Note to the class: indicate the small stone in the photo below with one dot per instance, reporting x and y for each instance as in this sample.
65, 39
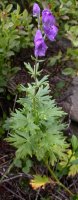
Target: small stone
70, 105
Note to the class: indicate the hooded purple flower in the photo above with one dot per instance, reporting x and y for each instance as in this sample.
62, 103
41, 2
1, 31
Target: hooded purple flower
47, 18
51, 32
40, 46
36, 10
49, 27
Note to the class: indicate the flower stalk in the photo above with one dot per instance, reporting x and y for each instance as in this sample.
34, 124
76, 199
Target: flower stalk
35, 89
58, 181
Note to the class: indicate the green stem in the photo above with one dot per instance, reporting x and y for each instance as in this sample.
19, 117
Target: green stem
35, 73
23, 5
57, 180
69, 160
35, 78
67, 165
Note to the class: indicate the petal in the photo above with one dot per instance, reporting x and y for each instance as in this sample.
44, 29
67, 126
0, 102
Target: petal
40, 48
38, 35
36, 10
47, 17
51, 32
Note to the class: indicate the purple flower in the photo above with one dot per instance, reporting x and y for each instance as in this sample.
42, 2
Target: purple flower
40, 46
47, 18
51, 32
36, 10
49, 27
38, 36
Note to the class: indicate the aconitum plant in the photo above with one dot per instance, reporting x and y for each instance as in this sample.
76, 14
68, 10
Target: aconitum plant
36, 129
40, 46
49, 28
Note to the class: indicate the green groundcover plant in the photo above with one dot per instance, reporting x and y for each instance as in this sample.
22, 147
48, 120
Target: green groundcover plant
66, 12
15, 33
36, 129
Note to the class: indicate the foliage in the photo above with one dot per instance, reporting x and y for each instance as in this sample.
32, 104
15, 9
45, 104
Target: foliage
15, 33
2, 121
55, 59
66, 14
36, 129
75, 197
39, 181
69, 164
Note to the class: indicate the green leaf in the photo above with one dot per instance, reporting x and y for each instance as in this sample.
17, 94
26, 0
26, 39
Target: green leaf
8, 25
27, 166
75, 197
10, 53
68, 71
18, 163
73, 170
1, 90
53, 60
9, 8
74, 142
37, 131
28, 66
39, 181
23, 151
75, 43
60, 85
1, 131
18, 9
74, 162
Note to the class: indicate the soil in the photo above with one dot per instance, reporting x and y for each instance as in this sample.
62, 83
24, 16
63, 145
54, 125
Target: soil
14, 183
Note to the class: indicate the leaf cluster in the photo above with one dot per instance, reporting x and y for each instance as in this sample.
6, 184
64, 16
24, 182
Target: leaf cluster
36, 128
66, 12
69, 164
15, 33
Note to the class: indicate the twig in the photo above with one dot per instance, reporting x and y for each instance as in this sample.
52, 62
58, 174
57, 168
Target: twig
7, 171
58, 181
37, 194
62, 195
75, 188
13, 193
73, 183
3, 164
19, 192
15, 177
12, 178
56, 197
14, 102
3, 157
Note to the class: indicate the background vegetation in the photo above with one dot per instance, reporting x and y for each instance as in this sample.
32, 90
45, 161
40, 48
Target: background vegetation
27, 123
